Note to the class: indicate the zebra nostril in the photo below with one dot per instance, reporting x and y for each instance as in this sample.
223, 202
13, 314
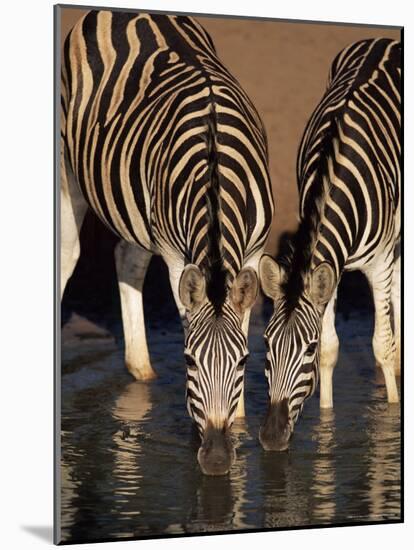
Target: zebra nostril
275, 432
216, 454
217, 462
274, 442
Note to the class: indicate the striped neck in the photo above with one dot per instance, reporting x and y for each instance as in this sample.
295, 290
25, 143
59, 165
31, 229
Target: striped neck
315, 241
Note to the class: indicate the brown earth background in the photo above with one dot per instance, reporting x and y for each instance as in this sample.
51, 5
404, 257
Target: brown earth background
283, 66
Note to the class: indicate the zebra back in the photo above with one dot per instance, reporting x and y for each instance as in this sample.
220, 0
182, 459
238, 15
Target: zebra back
348, 165
168, 149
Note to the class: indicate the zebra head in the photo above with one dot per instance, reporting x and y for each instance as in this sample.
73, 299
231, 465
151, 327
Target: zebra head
292, 337
215, 352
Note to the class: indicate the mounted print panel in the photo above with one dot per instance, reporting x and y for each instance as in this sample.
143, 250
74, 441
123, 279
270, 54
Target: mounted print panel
228, 262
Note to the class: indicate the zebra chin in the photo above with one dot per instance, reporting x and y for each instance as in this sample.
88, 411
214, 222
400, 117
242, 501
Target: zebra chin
275, 433
216, 454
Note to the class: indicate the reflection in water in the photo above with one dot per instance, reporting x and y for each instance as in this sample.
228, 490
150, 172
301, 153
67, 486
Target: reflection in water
323, 471
129, 466
129, 409
220, 501
239, 476
215, 503
384, 465
284, 498
68, 494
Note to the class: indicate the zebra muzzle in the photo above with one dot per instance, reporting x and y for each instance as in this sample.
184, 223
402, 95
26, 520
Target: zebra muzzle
216, 454
275, 432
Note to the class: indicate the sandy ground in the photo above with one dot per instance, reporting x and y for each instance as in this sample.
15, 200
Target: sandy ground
283, 67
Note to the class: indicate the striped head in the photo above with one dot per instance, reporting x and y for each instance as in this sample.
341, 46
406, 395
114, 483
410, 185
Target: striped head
215, 352
292, 338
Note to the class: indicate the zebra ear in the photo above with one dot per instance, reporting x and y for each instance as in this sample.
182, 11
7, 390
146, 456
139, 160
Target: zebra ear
322, 284
192, 287
244, 290
272, 276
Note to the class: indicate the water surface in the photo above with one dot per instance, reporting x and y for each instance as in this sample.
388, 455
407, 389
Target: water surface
129, 465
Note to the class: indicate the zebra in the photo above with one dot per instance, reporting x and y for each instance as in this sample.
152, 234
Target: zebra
161, 142
348, 171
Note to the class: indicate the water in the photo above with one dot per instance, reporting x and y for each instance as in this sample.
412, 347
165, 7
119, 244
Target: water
129, 465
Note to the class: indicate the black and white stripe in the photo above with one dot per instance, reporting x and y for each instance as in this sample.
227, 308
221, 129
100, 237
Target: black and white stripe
296, 341
349, 176
212, 350
171, 154
352, 142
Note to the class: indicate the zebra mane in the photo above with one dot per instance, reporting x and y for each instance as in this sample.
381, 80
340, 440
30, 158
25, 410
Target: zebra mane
215, 272
296, 250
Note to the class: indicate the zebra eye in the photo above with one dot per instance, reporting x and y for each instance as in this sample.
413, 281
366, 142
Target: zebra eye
191, 364
242, 363
311, 349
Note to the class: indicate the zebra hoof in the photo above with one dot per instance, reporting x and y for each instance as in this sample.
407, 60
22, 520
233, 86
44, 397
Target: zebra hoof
145, 374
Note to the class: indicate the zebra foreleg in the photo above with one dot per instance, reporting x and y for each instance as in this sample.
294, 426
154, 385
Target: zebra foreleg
72, 212
380, 278
396, 309
131, 266
329, 354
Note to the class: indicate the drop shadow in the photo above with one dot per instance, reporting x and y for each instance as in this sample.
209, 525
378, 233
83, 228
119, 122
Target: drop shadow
43, 532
